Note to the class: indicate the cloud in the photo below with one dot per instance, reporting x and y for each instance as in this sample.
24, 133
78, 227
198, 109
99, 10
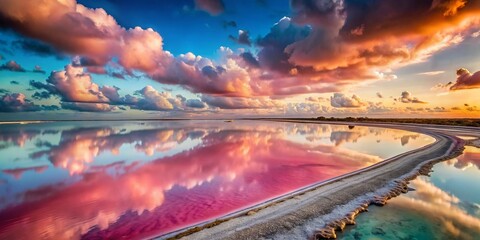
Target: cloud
18, 172
472, 109
35, 47
433, 73
77, 91
272, 54
154, 100
240, 102
88, 107
213, 7
41, 95
466, 80
12, 66
17, 102
195, 103
271, 159
331, 43
340, 100
316, 99
72, 85
432, 202
250, 59
322, 48
406, 97
38, 69
151, 100
243, 38
15, 67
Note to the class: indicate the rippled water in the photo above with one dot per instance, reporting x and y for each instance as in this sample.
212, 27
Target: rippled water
71, 180
445, 206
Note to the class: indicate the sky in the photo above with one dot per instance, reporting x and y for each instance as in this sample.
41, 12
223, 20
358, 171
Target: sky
147, 59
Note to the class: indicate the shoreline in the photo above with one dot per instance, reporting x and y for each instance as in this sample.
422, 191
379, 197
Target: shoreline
319, 210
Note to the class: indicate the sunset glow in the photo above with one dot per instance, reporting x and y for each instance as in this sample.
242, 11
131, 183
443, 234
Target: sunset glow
86, 59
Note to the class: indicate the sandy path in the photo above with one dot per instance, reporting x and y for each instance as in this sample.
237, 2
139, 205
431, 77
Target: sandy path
300, 214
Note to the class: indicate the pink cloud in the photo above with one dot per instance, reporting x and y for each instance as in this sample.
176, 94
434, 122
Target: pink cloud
17, 102
75, 85
466, 80
340, 46
12, 66
213, 7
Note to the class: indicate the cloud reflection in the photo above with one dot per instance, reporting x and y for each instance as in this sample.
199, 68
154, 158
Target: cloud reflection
471, 157
222, 168
434, 203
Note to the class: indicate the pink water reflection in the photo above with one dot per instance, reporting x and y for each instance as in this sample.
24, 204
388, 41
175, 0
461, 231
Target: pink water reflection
230, 169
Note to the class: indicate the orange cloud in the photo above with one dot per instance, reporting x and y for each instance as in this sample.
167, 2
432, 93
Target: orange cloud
322, 48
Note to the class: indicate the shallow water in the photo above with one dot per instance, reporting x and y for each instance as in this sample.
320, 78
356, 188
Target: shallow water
444, 206
71, 180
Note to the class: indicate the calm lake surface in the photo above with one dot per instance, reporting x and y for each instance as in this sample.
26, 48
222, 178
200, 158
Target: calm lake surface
444, 206
73, 180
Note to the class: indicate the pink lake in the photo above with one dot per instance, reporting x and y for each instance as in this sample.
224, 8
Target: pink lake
139, 179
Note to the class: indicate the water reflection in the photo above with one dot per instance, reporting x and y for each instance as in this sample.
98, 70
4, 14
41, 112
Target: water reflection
445, 206
138, 179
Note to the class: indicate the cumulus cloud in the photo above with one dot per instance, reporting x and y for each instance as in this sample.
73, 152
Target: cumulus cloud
148, 98
331, 43
465, 80
213, 7
77, 91
240, 102
324, 47
16, 67
250, 59
406, 97
243, 38
340, 100
272, 54
154, 100
72, 85
12, 66
195, 103
17, 102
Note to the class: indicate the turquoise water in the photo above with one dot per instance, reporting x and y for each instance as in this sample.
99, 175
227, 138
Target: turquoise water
444, 206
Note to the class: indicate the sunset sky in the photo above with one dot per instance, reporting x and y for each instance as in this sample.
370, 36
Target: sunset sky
121, 59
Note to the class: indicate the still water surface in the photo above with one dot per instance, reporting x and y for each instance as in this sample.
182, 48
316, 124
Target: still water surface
73, 180
444, 206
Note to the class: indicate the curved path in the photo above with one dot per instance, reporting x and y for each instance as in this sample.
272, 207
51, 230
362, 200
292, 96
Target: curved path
300, 214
